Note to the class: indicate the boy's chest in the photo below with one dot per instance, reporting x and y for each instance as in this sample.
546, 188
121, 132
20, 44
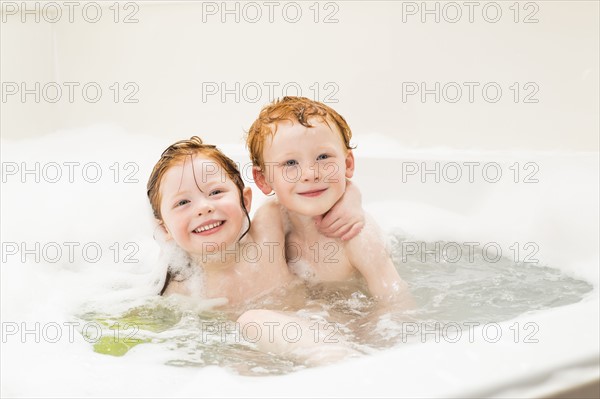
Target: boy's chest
320, 260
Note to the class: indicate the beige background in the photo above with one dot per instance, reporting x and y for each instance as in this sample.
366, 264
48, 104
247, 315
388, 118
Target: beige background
171, 53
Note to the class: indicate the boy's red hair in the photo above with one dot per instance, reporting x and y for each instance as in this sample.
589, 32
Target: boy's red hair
300, 109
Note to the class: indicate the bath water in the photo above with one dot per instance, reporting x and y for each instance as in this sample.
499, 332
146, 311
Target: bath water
456, 288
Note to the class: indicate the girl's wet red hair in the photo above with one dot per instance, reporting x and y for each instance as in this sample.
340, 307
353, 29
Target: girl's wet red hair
177, 153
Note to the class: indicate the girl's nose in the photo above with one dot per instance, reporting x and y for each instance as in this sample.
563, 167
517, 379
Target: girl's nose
204, 207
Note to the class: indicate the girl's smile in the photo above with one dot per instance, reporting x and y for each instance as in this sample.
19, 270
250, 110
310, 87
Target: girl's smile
208, 228
201, 208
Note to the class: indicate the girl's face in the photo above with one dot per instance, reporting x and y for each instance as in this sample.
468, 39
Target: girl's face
200, 206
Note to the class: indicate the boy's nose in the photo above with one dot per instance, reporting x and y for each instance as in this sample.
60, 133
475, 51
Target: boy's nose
310, 173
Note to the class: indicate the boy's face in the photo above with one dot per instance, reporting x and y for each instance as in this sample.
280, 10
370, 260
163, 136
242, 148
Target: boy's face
200, 205
305, 167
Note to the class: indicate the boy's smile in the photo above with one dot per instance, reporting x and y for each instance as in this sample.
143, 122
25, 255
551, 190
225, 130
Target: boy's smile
313, 193
306, 167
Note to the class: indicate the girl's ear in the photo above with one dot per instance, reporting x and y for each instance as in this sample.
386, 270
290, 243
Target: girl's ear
247, 196
261, 180
161, 233
349, 164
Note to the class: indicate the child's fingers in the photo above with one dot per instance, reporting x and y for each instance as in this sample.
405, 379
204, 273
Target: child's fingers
329, 218
324, 223
339, 233
354, 231
333, 227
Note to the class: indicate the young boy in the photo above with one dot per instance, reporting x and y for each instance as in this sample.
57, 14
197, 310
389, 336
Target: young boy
301, 151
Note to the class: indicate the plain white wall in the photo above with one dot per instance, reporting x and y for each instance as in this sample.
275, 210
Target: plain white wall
367, 56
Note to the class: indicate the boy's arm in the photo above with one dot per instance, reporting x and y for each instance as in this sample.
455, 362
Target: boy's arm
346, 218
368, 254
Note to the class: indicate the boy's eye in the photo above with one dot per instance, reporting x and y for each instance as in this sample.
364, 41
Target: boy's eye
181, 202
291, 162
215, 192
322, 156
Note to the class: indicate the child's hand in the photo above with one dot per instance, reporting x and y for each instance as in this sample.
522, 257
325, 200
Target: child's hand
346, 218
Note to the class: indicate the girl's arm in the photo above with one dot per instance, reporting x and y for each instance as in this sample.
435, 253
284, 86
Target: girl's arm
268, 230
313, 343
346, 218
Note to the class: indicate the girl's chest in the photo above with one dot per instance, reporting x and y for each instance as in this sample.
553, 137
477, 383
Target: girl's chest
248, 281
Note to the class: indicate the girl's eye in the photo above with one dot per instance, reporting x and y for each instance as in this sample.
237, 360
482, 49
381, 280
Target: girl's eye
182, 202
215, 192
322, 157
291, 162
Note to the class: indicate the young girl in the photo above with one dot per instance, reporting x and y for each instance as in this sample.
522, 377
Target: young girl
201, 204
200, 201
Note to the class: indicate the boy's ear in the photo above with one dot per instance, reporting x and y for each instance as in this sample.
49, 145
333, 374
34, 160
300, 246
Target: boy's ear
261, 180
349, 164
247, 196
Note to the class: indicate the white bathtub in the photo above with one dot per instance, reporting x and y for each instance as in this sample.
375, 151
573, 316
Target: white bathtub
559, 214
170, 54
